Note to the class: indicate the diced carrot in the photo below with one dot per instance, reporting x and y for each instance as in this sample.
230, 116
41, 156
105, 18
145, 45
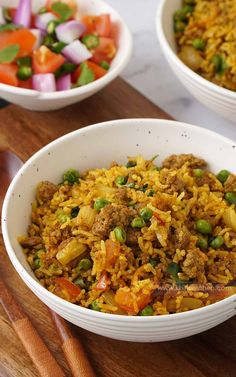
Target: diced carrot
103, 282
125, 299
72, 289
8, 74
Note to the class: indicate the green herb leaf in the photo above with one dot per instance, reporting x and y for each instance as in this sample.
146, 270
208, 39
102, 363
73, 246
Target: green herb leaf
62, 10
86, 75
8, 54
9, 26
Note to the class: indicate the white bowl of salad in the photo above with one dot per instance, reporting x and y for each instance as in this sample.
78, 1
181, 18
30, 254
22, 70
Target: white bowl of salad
57, 52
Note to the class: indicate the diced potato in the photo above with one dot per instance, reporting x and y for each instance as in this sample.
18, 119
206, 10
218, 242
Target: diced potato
105, 191
72, 250
229, 218
186, 303
86, 216
191, 57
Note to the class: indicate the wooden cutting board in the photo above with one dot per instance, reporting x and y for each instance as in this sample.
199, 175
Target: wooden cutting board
209, 354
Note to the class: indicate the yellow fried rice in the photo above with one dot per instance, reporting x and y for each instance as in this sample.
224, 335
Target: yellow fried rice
206, 38
136, 239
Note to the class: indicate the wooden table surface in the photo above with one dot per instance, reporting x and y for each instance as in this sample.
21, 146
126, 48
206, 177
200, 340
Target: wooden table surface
210, 354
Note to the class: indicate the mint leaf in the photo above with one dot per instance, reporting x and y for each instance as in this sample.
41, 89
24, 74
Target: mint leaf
9, 27
62, 10
8, 54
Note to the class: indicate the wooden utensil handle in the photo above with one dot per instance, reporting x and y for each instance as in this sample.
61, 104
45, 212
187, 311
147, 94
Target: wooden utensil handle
73, 350
35, 347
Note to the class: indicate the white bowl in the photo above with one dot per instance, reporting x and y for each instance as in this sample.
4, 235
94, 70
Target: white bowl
34, 100
97, 146
220, 100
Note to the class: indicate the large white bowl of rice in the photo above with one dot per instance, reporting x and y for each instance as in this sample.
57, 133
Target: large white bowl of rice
176, 278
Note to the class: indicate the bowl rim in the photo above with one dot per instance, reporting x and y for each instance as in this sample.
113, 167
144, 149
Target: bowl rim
167, 50
93, 86
59, 302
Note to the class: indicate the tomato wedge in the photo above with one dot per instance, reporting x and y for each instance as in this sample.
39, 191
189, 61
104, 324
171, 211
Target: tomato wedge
26, 84
106, 50
72, 289
103, 282
103, 25
97, 70
112, 251
46, 61
100, 25
8, 74
22, 37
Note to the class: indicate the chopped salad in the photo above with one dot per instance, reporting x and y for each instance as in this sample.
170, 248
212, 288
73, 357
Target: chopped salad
54, 49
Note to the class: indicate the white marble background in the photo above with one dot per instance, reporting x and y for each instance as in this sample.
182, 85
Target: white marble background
149, 72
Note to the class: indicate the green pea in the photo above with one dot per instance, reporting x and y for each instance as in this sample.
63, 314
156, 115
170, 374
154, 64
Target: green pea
148, 310
71, 176
202, 244
153, 262
198, 173
131, 164
85, 264
203, 226
121, 180
217, 242
230, 197
146, 213
37, 263
105, 65
173, 269
100, 203
74, 212
198, 44
219, 63
183, 13
95, 306
138, 222
80, 281
24, 73
179, 26
120, 234
223, 175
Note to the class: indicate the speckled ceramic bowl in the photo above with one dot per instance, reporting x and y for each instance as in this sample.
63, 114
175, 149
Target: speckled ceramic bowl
219, 100
97, 146
34, 100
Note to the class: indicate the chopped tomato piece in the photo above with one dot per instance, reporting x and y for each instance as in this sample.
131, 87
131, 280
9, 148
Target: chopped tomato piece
125, 299
103, 25
22, 37
103, 282
100, 25
106, 50
11, 12
97, 70
72, 289
46, 61
26, 84
112, 252
8, 74
162, 222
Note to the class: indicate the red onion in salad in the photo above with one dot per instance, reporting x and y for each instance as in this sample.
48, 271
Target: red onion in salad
64, 83
76, 52
44, 82
2, 19
69, 31
39, 38
42, 20
23, 13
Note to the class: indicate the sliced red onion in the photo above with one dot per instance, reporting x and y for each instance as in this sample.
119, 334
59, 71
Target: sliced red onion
23, 13
42, 20
69, 31
76, 52
44, 82
2, 18
39, 38
64, 82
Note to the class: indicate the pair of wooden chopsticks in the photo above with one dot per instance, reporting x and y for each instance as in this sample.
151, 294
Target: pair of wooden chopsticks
39, 353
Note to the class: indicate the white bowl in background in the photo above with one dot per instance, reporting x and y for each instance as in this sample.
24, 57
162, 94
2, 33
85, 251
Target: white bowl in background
34, 100
220, 100
97, 146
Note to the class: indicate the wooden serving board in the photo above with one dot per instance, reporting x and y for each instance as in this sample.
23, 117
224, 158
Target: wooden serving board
209, 354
